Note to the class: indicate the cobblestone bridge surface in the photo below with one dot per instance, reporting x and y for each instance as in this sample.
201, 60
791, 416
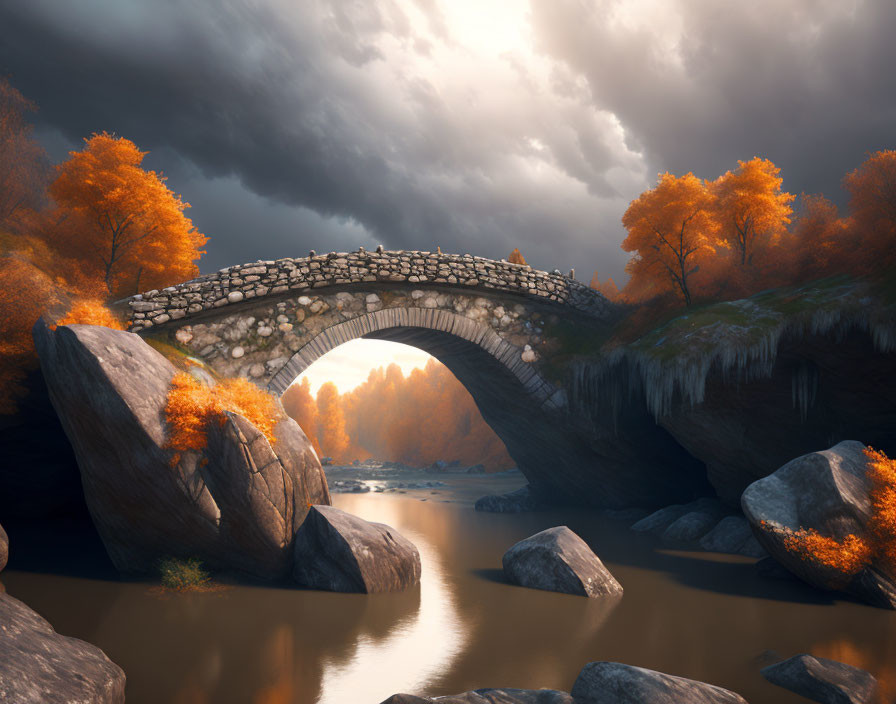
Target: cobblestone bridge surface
272, 278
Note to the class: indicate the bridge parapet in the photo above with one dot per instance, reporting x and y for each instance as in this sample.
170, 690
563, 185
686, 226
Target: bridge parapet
418, 269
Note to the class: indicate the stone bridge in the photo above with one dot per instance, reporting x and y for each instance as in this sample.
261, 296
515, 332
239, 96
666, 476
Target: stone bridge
499, 327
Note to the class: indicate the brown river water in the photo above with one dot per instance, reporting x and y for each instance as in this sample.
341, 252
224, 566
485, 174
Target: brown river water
703, 616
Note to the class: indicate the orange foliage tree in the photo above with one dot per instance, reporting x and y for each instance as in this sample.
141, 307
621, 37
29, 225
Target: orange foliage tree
300, 405
121, 220
516, 258
608, 288
750, 205
672, 231
191, 406
415, 419
872, 189
24, 166
331, 422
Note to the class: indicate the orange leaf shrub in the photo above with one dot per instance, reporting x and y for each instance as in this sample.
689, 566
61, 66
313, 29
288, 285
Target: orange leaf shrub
90, 311
192, 406
855, 552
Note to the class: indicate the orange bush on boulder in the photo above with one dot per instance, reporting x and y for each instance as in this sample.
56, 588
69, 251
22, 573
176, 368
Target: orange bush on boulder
192, 406
856, 551
90, 311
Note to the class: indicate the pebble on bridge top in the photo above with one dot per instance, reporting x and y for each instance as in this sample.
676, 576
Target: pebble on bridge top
275, 277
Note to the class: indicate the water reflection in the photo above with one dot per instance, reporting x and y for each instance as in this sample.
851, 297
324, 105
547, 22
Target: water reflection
699, 616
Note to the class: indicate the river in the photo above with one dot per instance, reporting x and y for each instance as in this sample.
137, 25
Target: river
694, 614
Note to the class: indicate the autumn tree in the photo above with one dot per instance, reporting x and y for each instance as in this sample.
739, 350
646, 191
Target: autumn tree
872, 203
123, 221
750, 205
331, 422
24, 166
608, 288
516, 258
819, 243
671, 229
302, 408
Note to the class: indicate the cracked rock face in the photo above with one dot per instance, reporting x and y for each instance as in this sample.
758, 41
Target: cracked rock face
558, 560
339, 552
235, 506
38, 665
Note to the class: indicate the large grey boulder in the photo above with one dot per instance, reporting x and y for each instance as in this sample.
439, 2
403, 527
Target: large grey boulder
558, 560
826, 491
615, 683
822, 680
39, 666
235, 505
4, 548
339, 552
489, 696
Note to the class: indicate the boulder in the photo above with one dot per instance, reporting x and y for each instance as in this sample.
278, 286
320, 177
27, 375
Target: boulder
4, 548
339, 552
518, 501
558, 560
826, 491
660, 521
39, 666
490, 696
690, 527
728, 536
825, 681
235, 505
615, 683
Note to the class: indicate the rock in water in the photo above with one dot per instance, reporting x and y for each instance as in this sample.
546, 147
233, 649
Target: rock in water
40, 666
558, 560
339, 552
236, 505
4, 548
821, 680
729, 535
490, 696
517, 501
615, 683
829, 492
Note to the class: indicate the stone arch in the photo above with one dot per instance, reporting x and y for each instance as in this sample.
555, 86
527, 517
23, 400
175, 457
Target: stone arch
470, 349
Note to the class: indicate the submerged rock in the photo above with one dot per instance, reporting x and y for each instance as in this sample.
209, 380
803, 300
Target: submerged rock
690, 527
236, 505
826, 491
4, 548
558, 560
39, 665
339, 552
615, 683
490, 696
518, 501
822, 680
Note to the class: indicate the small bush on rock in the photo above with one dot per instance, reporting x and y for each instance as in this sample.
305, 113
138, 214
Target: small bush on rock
183, 574
90, 311
192, 406
850, 555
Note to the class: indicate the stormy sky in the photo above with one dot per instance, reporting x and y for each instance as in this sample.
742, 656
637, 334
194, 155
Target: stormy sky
477, 126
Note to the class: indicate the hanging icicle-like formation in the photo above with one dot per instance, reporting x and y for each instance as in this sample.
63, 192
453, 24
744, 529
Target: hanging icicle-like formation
804, 387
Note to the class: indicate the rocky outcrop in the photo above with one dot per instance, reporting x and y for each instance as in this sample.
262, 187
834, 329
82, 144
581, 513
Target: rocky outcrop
490, 696
826, 491
339, 552
4, 548
518, 501
39, 666
558, 560
615, 683
235, 506
732, 535
822, 680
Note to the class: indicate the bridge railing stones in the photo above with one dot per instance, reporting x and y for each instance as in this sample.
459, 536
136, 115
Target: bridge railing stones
272, 278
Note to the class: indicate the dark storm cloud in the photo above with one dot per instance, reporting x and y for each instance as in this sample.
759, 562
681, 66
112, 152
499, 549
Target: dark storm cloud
808, 84
332, 124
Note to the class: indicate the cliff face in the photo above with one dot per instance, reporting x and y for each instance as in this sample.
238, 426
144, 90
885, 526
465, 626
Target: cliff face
746, 386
